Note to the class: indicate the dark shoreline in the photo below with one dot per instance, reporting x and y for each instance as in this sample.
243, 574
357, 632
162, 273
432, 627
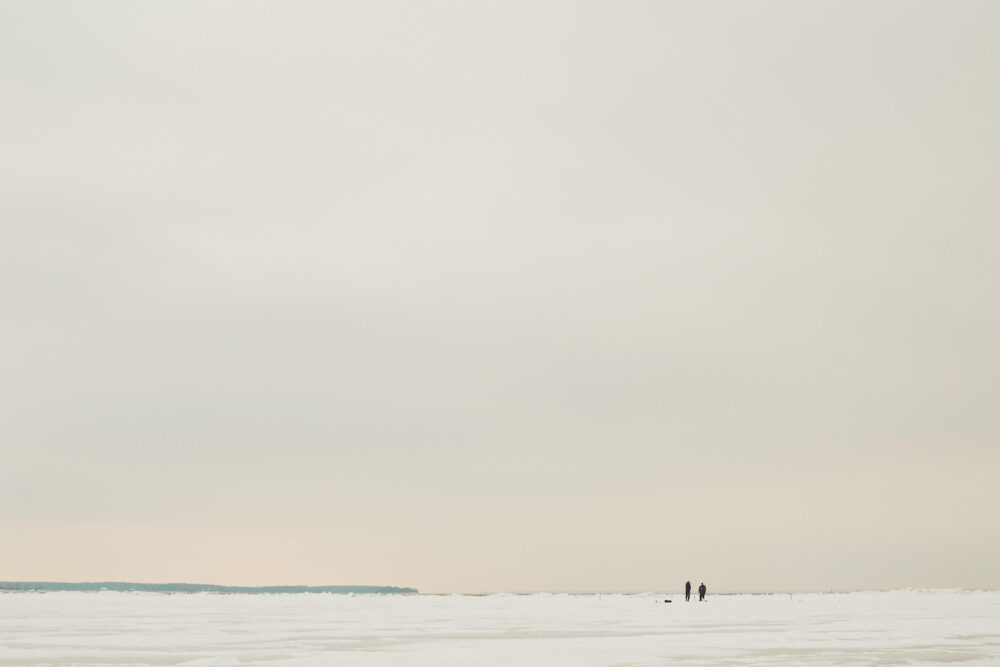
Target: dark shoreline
125, 586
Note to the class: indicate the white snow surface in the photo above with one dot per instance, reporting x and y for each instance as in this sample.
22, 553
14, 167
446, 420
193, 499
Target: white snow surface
204, 629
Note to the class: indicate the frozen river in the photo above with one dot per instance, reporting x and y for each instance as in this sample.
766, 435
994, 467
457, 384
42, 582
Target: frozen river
108, 628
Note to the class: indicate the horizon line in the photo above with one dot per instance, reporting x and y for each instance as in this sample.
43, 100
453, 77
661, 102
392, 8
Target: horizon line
185, 587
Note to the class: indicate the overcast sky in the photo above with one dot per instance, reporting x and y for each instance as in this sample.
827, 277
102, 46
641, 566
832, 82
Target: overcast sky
501, 295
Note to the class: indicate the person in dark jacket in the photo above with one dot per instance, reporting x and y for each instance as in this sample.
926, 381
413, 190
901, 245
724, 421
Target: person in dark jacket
701, 592
687, 592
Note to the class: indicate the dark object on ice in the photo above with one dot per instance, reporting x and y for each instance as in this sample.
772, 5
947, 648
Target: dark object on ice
668, 600
687, 592
701, 592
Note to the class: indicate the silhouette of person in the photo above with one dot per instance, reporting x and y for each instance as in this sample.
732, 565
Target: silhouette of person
687, 592
701, 592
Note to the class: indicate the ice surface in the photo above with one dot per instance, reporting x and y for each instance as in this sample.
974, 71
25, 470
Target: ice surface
203, 629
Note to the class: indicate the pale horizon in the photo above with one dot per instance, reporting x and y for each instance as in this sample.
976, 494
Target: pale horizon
9, 586
501, 296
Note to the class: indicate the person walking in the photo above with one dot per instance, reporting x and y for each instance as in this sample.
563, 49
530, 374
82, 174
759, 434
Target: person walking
687, 592
701, 592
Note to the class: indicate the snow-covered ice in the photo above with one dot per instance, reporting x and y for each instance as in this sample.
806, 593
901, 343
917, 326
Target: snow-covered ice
888, 628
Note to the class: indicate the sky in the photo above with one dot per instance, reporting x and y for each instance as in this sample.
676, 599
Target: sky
500, 296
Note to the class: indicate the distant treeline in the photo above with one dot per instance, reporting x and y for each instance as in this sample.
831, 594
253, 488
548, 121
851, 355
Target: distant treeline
192, 588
